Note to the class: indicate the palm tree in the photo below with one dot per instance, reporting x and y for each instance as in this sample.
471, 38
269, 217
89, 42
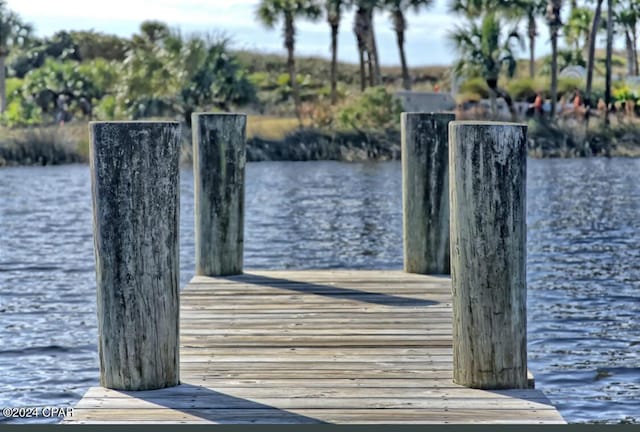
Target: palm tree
512, 10
577, 29
532, 9
554, 22
595, 25
360, 29
607, 86
628, 17
482, 52
366, 39
469, 8
372, 46
397, 9
475, 8
270, 12
13, 32
334, 10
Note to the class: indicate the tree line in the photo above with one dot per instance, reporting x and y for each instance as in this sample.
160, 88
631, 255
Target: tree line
485, 42
160, 70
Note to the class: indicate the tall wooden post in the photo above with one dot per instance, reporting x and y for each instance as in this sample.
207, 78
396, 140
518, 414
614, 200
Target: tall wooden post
135, 188
425, 192
488, 253
218, 171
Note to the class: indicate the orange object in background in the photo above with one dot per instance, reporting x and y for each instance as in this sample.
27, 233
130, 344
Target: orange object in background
537, 104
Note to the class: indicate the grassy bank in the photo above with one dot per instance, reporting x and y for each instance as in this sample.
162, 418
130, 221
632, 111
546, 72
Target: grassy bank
575, 140
276, 138
48, 145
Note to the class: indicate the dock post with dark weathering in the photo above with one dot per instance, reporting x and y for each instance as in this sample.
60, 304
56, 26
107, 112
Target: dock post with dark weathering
218, 171
135, 185
488, 253
425, 192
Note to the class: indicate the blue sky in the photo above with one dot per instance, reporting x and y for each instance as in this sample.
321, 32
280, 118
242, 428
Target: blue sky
426, 41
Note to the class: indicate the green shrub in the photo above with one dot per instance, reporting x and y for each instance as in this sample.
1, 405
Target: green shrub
522, 89
476, 86
375, 110
262, 81
567, 86
468, 97
623, 94
283, 79
107, 108
13, 88
20, 112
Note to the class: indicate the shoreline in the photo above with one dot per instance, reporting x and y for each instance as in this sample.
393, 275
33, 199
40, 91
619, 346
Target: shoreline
56, 146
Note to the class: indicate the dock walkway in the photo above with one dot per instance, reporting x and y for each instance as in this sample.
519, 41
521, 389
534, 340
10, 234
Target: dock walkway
344, 346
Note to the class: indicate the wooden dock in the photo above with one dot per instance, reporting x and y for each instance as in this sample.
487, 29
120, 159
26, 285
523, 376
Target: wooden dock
316, 347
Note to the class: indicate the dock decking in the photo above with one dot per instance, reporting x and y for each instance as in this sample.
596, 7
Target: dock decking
316, 347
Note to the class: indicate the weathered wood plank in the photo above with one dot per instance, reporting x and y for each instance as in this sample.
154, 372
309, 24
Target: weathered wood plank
270, 327
217, 400
249, 390
294, 353
317, 366
315, 374
297, 416
310, 332
221, 358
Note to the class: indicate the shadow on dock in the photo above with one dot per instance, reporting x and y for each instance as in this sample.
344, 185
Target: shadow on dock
329, 290
213, 406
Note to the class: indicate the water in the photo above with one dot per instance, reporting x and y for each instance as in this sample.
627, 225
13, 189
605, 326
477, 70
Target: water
583, 268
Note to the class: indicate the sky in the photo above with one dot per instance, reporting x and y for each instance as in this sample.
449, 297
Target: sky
426, 38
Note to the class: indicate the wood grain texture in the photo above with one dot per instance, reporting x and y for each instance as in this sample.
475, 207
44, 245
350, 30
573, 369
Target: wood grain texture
425, 192
218, 172
488, 253
134, 173
345, 365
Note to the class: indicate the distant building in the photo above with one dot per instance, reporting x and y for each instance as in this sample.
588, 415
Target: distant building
426, 101
575, 72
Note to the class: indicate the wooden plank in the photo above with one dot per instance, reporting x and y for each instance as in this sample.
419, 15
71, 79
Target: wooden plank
294, 353
388, 326
195, 391
314, 374
225, 401
337, 306
299, 315
443, 298
201, 421
310, 332
310, 360
298, 416
283, 364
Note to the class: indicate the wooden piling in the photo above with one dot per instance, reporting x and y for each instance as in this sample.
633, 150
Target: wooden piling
135, 188
488, 253
425, 192
218, 171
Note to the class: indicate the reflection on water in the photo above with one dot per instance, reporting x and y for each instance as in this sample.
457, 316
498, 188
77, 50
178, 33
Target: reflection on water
583, 243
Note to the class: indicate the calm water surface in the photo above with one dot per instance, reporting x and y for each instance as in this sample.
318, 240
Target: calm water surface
583, 268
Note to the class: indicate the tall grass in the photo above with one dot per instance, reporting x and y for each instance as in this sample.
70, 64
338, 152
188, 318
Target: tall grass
271, 128
47, 145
